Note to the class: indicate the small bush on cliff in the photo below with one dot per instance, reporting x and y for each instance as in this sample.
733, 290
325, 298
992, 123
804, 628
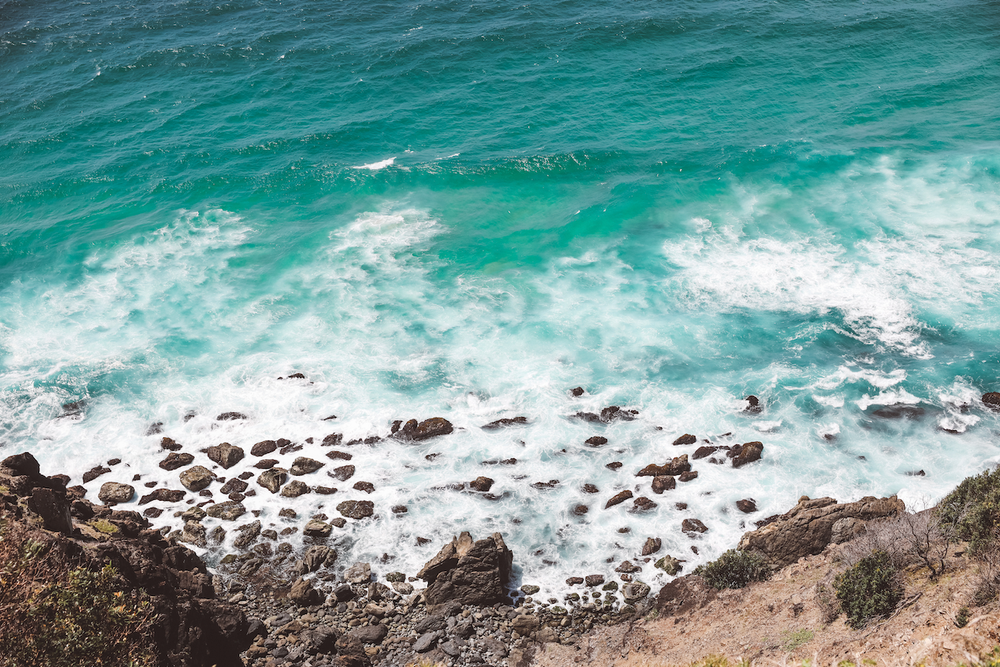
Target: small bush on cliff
56, 615
972, 510
869, 589
734, 569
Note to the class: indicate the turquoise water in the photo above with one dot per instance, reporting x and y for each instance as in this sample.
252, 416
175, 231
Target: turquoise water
465, 210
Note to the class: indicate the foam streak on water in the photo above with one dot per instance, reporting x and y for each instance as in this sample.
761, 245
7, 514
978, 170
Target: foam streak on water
673, 208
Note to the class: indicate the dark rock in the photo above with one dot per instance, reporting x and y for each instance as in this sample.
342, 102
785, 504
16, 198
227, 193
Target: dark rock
196, 478
356, 509
686, 439
663, 483
225, 455
596, 440
343, 473
614, 465
304, 466
114, 462
687, 476
333, 440
338, 455
991, 399
915, 473
175, 461
54, 509
504, 423
573, 581
272, 479
618, 498
227, 511
303, 594
587, 417
294, 489
73, 409
643, 504
318, 529
635, 591
325, 490
594, 580
170, 444
247, 535
321, 639
706, 451
235, 485
577, 391
96, 472
468, 572
399, 509
551, 484
753, 404
411, 431
426, 642
482, 484
746, 453
265, 464
580, 510
367, 487
263, 448
163, 495
807, 528
371, 634
651, 546
614, 413
899, 411
230, 416
675, 466
590, 488
693, 526
747, 505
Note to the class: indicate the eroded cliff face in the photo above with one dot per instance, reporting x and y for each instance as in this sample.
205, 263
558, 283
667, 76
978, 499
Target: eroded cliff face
189, 626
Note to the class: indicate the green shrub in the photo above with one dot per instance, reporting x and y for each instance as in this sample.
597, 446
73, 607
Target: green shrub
56, 615
972, 510
734, 569
869, 590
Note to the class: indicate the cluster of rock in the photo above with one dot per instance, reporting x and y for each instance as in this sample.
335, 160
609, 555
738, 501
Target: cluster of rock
191, 626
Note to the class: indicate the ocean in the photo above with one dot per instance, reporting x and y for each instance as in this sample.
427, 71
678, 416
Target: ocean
466, 210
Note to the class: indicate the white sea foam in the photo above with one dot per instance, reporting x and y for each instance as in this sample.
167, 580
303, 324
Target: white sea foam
375, 166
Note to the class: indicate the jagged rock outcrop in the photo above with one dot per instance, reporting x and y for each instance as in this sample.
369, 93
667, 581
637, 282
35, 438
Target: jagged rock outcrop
809, 527
468, 572
412, 431
190, 628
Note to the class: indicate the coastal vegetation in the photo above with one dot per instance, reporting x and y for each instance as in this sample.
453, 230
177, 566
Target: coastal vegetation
735, 568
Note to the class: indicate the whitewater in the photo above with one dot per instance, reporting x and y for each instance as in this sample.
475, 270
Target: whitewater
468, 211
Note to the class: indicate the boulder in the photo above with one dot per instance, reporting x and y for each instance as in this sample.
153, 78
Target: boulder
359, 573
525, 624
370, 634
303, 594
234, 485
596, 440
687, 476
614, 413
651, 546
114, 492
367, 487
618, 498
634, 592
230, 416
272, 479
808, 528
482, 484
356, 509
96, 472
169, 444
53, 507
686, 439
344, 473
594, 580
669, 564
412, 431
321, 639
643, 504
693, 526
468, 572
227, 511
675, 466
753, 404
504, 423
991, 399
303, 466
747, 505
263, 447
746, 453
175, 460
338, 455
225, 455
294, 489
576, 392
317, 528
197, 478
663, 483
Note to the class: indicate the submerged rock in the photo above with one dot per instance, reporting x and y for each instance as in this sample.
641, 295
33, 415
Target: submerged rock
614, 413
504, 423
